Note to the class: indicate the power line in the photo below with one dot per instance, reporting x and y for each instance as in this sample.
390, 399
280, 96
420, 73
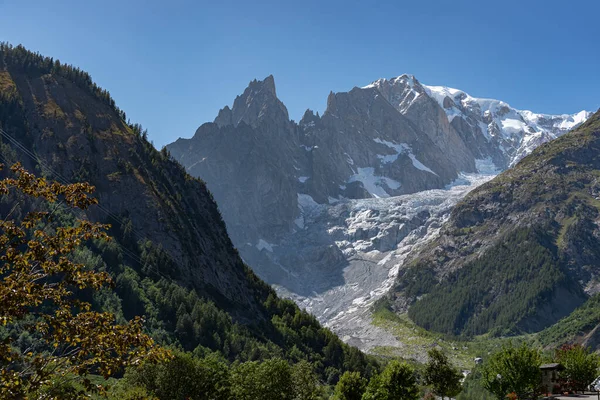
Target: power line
65, 181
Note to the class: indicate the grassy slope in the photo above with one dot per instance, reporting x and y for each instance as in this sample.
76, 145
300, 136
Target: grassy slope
416, 341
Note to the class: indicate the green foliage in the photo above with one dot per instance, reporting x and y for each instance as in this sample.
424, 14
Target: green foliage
41, 295
155, 279
268, 380
306, 382
581, 366
211, 377
472, 388
183, 377
351, 386
396, 382
583, 319
497, 290
513, 369
441, 375
515, 245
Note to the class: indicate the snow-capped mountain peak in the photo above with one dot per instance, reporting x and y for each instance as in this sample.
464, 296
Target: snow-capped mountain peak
493, 127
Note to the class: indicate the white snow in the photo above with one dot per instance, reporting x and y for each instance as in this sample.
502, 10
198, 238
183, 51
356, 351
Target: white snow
515, 132
306, 201
374, 236
401, 148
302, 179
520, 130
349, 159
439, 93
513, 125
372, 183
418, 164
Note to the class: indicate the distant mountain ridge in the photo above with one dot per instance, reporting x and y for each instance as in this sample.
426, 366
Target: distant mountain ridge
389, 138
313, 206
509, 134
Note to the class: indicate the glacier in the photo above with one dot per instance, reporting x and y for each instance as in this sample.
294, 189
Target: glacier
347, 255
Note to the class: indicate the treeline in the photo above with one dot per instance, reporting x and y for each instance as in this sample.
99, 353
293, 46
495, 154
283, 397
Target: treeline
584, 319
178, 316
37, 64
210, 377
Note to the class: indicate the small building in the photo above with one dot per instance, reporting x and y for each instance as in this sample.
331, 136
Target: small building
551, 377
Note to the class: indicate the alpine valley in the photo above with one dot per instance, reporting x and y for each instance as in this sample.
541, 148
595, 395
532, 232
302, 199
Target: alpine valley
382, 201
404, 213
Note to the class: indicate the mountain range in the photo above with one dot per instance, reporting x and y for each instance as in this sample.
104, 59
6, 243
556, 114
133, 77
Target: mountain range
331, 209
519, 252
469, 215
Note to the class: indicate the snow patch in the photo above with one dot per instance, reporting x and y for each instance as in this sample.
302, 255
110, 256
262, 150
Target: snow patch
513, 126
486, 166
306, 201
401, 148
374, 184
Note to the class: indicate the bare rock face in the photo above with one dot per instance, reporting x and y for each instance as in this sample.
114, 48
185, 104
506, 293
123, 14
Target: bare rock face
410, 98
256, 161
246, 157
306, 203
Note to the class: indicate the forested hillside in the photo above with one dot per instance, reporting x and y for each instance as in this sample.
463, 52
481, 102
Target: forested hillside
518, 253
171, 258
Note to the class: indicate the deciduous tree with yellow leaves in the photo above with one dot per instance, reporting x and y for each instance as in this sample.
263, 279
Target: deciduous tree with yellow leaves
39, 286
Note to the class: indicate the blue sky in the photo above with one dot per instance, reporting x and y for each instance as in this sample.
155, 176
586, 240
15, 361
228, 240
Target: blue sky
171, 65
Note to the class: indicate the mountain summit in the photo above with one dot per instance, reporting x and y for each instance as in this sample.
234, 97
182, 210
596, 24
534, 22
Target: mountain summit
326, 209
488, 127
258, 101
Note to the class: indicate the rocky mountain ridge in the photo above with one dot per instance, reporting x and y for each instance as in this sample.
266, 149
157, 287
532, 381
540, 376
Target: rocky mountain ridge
313, 206
490, 128
386, 139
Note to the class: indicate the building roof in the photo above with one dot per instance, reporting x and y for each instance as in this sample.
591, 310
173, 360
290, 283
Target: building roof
552, 366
